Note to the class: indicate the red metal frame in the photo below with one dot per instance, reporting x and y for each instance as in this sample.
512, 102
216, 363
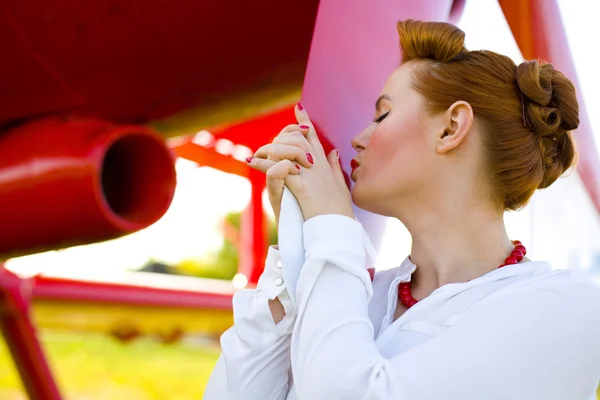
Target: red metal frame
21, 337
333, 90
75, 290
17, 294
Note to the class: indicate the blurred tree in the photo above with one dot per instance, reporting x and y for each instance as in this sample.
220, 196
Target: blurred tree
158, 267
223, 264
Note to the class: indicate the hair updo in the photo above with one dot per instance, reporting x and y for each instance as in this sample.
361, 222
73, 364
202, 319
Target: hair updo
527, 111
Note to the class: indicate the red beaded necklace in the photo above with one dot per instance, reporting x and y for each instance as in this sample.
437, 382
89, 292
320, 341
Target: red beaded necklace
515, 257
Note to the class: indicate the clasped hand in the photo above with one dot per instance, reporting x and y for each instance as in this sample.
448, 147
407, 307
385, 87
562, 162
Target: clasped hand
297, 160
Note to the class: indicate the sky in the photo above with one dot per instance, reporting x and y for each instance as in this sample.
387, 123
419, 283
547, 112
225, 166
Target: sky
190, 228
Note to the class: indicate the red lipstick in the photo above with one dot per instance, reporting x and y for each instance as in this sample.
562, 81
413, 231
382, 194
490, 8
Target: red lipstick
353, 165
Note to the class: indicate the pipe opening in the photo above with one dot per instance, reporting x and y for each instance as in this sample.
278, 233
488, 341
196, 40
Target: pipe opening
138, 177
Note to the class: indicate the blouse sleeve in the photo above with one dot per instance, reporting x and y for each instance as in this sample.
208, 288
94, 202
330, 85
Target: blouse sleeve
255, 359
491, 355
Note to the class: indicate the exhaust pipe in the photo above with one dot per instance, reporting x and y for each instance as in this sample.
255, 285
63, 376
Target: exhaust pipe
71, 182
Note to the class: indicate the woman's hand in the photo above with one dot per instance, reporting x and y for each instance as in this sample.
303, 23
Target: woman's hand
318, 185
277, 161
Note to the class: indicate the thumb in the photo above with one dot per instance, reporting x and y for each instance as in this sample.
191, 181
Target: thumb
334, 162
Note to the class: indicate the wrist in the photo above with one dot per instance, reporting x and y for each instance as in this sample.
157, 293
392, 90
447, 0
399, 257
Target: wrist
277, 310
318, 212
311, 212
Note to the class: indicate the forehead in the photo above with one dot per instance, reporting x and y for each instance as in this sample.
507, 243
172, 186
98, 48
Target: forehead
399, 81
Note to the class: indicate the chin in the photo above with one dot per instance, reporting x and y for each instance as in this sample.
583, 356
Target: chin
369, 200
363, 199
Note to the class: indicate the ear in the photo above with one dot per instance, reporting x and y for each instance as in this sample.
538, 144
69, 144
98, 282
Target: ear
459, 120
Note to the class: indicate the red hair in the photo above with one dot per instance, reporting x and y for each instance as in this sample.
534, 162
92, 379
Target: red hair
527, 111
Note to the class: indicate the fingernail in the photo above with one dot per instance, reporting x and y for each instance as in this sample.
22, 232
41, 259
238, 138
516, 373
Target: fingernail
248, 159
297, 166
337, 154
300, 106
309, 158
304, 127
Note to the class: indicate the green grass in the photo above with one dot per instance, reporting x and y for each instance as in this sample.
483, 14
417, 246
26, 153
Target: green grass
96, 367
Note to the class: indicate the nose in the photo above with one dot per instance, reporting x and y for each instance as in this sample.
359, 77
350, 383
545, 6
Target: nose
360, 141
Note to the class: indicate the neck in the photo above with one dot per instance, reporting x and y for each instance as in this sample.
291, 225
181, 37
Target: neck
455, 245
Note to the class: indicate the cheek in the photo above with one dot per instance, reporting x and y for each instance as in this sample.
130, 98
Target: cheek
395, 149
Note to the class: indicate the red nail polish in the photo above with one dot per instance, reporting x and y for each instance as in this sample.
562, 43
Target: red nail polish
304, 127
300, 106
297, 166
248, 159
309, 158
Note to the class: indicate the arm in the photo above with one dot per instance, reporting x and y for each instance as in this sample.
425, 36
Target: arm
491, 355
255, 361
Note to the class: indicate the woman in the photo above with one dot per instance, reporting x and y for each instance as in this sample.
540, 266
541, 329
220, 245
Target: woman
458, 138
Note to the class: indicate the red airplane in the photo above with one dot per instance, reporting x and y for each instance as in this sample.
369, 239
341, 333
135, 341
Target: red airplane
91, 90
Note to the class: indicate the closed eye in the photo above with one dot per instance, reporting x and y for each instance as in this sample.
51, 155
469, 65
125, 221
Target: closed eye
381, 117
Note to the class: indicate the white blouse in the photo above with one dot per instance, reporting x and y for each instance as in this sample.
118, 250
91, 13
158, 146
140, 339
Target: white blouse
520, 332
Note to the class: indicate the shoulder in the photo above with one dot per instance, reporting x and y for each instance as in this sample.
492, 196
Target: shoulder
575, 287
534, 297
555, 298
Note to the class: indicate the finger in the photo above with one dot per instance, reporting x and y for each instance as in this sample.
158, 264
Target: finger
276, 175
334, 161
294, 138
278, 152
302, 116
294, 127
311, 134
260, 164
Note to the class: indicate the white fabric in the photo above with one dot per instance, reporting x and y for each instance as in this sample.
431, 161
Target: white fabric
520, 332
290, 239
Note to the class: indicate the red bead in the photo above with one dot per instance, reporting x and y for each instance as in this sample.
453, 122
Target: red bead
510, 260
517, 254
521, 248
404, 295
517, 242
371, 273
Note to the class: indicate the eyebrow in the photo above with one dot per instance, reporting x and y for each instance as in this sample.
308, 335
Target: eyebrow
380, 99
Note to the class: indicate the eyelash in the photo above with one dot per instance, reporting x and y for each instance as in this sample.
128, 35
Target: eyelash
380, 118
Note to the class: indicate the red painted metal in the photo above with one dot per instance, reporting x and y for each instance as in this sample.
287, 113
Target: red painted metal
123, 63
78, 290
539, 32
209, 157
253, 241
16, 295
130, 61
21, 337
351, 56
258, 131
65, 183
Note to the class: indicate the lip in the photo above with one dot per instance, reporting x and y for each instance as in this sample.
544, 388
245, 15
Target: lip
354, 166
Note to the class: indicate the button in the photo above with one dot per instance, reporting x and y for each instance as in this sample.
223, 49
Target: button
279, 264
278, 282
